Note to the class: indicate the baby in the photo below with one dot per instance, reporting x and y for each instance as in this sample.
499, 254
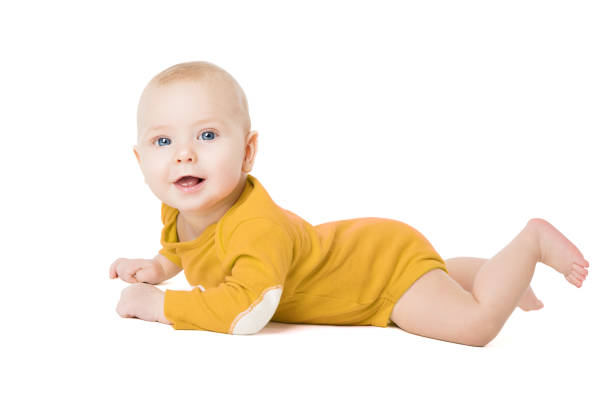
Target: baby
250, 261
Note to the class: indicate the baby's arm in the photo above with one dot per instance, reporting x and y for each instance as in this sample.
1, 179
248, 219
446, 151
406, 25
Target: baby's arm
170, 269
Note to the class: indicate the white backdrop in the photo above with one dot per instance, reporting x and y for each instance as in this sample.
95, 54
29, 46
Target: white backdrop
462, 119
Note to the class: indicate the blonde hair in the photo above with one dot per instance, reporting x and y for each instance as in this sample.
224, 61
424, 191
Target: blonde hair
205, 71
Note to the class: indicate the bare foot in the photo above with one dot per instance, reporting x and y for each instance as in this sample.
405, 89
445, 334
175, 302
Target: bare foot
560, 253
529, 301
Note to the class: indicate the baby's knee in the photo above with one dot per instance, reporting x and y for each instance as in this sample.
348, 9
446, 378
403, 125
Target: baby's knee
483, 330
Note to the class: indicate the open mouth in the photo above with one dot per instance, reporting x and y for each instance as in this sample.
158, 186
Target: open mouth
188, 181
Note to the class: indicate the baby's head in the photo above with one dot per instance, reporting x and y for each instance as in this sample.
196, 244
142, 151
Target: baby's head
193, 119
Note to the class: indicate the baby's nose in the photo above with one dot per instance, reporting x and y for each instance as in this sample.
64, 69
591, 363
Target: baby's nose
185, 157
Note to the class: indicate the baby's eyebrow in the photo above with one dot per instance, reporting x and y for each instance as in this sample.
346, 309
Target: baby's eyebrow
167, 127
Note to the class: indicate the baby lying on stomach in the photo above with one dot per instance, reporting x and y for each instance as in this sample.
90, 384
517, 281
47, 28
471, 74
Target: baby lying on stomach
250, 261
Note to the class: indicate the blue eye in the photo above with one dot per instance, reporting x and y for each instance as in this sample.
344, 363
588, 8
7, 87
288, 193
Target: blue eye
163, 139
210, 133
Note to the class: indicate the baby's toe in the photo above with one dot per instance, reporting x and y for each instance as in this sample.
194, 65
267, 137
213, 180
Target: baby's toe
581, 262
581, 271
572, 278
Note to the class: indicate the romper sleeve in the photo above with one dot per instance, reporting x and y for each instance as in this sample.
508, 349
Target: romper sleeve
169, 234
259, 253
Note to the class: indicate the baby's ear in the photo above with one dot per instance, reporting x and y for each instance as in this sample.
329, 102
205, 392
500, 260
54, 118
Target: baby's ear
251, 151
136, 153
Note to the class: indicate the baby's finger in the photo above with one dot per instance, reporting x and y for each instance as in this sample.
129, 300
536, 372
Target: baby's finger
144, 275
131, 278
113, 268
127, 272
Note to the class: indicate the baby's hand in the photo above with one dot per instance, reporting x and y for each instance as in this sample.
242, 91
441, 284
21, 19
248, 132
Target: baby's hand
142, 301
138, 270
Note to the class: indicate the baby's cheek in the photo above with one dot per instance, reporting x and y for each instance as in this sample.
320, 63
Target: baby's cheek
157, 172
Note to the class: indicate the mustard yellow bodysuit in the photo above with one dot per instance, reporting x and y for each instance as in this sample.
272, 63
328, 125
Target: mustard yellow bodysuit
260, 262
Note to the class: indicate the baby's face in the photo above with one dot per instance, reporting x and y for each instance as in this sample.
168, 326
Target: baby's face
191, 128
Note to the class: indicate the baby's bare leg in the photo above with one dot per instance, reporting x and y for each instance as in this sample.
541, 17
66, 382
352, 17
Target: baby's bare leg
553, 249
464, 269
436, 306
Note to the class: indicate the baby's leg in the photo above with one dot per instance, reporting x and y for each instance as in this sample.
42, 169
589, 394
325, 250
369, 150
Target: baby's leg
437, 306
464, 269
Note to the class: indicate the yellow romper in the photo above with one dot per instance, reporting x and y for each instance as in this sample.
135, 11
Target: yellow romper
262, 263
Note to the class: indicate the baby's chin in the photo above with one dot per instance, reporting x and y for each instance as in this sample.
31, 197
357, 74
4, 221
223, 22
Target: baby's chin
194, 203
189, 207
